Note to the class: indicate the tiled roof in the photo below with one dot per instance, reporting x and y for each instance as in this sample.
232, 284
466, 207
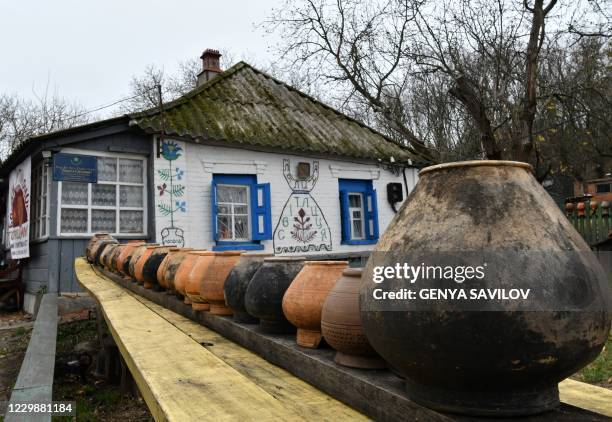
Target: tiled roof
244, 106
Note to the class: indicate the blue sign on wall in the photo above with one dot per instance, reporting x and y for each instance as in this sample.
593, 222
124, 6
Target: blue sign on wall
75, 168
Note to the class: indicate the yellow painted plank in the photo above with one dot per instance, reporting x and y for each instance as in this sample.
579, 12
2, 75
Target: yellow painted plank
294, 393
586, 396
180, 380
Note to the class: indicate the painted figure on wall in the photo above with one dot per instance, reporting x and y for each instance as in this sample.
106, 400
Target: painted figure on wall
171, 189
302, 226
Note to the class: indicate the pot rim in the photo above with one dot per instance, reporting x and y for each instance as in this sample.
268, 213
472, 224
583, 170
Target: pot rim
326, 263
257, 254
201, 253
353, 271
285, 259
477, 163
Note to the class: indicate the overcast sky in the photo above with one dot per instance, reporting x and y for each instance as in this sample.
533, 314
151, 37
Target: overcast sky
89, 50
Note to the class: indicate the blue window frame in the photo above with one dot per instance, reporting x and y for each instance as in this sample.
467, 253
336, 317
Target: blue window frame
359, 212
241, 215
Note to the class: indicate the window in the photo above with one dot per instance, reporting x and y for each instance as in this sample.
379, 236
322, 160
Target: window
240, 212
116, 204
359, 212
356, 215
39, 212
233, 212
604, 188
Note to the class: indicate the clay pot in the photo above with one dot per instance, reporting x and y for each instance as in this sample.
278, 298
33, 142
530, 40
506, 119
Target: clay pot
105, 257
139, 265
89, 250
169, 266
341, 324
151, 264
181, 276
135, 258
486, 357
98, 248
213, 281
303, 301
264, 295
237, 282
115, 256
196, 278
126, 252
124, 258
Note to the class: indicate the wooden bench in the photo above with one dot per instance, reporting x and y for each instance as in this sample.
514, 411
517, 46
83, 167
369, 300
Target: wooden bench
11, 283
35, 380
186, 372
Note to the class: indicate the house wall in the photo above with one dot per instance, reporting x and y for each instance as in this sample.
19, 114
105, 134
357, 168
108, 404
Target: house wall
197, 163
51, 260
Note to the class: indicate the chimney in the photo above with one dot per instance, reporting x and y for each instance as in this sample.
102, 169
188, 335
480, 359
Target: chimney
210, 65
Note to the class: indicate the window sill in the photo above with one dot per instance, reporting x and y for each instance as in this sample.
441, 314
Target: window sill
360, 242
237, 246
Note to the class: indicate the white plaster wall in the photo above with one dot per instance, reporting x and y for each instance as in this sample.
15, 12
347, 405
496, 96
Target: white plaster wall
200, 162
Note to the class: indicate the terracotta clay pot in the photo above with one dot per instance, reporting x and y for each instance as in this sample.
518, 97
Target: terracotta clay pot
169, 266
500, 357
115, 256
196, 278
89, 249
264, 295
341, 324
135, 258
142, 260
213, 281
125, 256
303, 301
237, 282
161, 269
98, 248
151, 264
105, 258
181, 276
126, 252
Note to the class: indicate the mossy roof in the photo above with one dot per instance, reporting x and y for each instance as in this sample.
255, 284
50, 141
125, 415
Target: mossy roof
246, 107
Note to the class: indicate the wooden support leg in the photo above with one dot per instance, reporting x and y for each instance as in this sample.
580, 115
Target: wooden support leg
127, 385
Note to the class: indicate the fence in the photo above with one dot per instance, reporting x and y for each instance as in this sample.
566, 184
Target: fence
591, 218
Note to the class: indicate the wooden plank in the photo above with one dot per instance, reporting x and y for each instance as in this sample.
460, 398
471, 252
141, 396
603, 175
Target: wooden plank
179, 379
35, 380
290, 390
378, 394
586, 396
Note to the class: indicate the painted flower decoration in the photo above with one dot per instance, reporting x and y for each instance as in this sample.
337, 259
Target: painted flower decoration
162, 188
181, 206
179, 173
170, 150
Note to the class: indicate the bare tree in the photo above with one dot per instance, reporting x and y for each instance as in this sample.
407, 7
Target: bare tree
21, 119
485, 54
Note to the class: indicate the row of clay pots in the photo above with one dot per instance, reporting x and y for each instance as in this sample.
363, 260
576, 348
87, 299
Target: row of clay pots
319, 298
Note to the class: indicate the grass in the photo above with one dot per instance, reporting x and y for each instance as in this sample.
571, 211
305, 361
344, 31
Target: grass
19, 331
599, 372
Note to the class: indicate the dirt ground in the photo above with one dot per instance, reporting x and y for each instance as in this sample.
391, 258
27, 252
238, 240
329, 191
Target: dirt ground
96, 400
15, 332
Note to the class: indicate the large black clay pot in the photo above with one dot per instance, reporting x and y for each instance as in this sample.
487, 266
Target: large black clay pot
497, 357
237, 282
264, 295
